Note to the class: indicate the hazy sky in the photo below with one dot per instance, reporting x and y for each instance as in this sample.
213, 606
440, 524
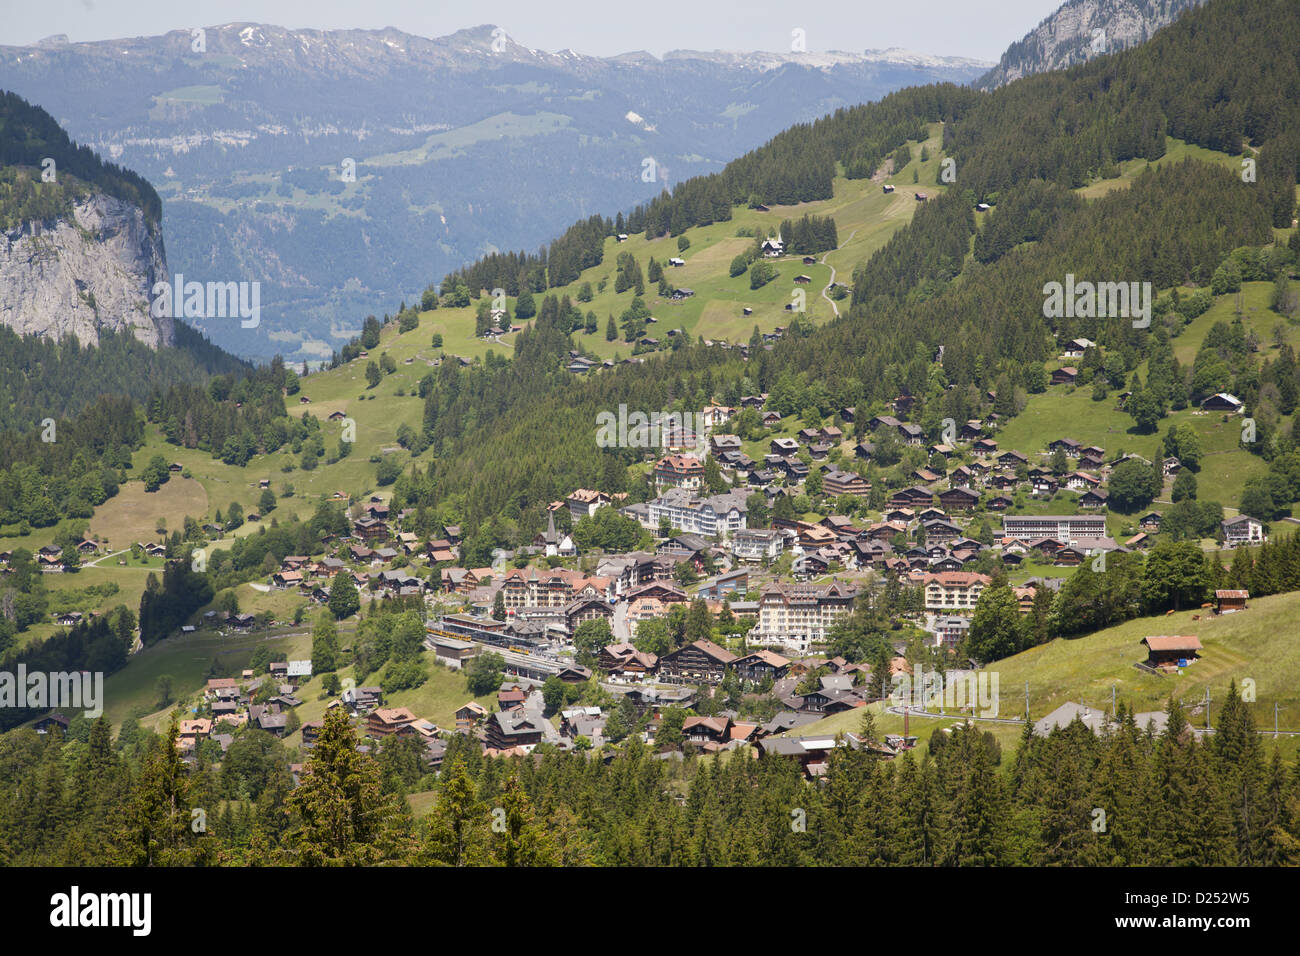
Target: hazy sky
973, 28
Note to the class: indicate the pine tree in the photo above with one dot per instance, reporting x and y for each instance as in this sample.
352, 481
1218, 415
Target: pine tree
158, 828
522, 842
343, 817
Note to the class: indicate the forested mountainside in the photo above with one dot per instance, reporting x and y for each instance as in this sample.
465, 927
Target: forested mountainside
1081, 30
82, 242
520, 432
345, 169
29, 137
1173, 799
80, 248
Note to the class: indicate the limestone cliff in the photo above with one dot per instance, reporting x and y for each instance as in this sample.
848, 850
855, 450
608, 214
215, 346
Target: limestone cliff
78, 275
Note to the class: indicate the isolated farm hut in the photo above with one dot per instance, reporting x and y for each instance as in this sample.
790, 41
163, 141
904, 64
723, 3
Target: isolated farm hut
1168, 651
1230, 600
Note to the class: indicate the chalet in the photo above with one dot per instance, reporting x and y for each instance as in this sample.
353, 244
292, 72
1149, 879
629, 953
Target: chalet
384, 721
802, 279
921, 197
836, 483
1139, 542
469, 715
1076, 347
679, 294
511, 696
999, 503
286, 579
675, 261
1223, 402
707, 730
886, 188
941, 530
809, 260
1044, 486
518, 728
1067, 445
783, 446
1228, 601
586, 609
911, 434
812, 753
1003, 481
1012, 459
761, 665
370, 529
275, 724
50, 722
831, 700
624, 660
1066, 375
959, 499
911, 498
773, 248
1167, 652
1093, 498
700, 662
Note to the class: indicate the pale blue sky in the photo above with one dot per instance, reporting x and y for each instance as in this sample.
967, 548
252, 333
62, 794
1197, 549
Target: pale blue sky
973, 28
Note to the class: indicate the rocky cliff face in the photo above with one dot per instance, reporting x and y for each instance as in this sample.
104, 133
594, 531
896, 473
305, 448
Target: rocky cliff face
78, 276
1068, 36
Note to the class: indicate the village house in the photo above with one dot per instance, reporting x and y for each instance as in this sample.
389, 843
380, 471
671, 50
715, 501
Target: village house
1243, 530
516, 728
624, 660
836, 482
760, 666
468, 716
383, 721
702, 662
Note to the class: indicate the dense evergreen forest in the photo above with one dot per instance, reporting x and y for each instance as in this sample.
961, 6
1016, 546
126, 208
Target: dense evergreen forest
1167, 799
44, 378
28, 137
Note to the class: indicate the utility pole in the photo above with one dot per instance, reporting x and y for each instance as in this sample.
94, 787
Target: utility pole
1026, 701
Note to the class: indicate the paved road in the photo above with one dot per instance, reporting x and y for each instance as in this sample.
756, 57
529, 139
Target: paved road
619, 624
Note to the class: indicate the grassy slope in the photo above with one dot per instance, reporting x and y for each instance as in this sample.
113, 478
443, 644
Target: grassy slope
1258, 644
